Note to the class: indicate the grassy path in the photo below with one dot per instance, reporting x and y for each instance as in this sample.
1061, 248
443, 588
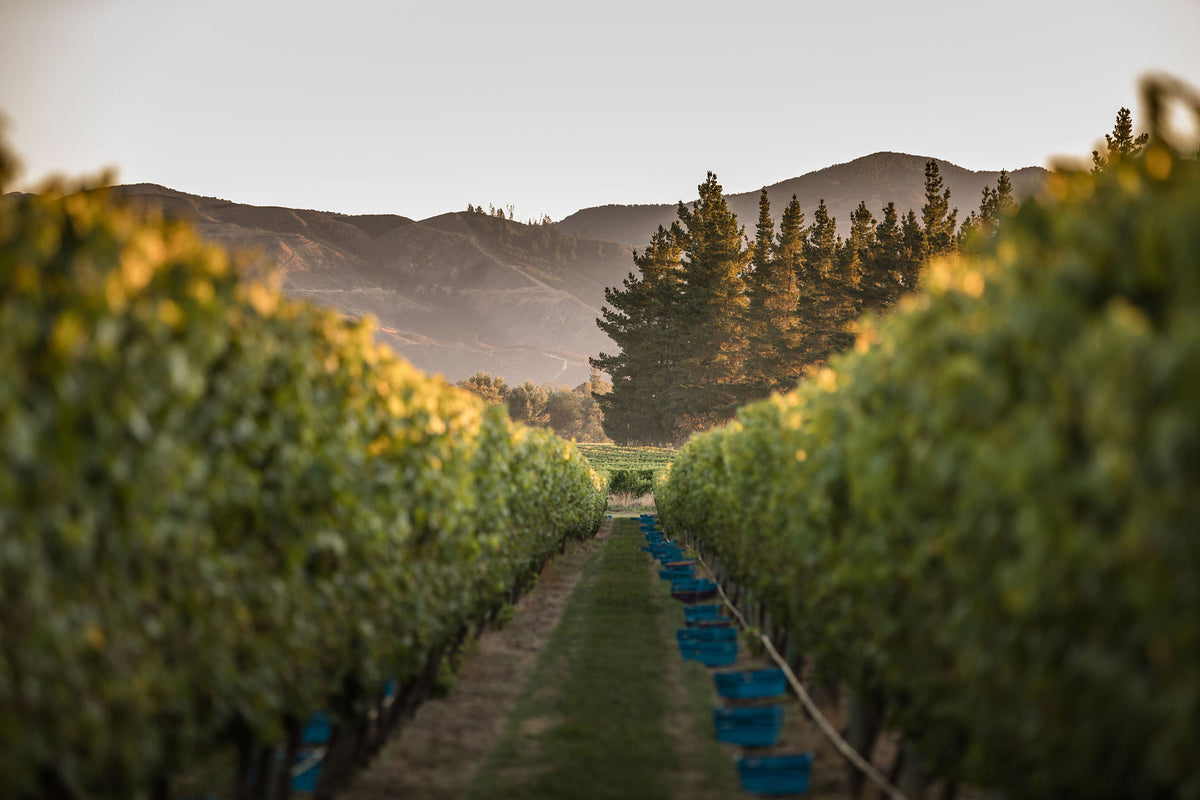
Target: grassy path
583, 695
610, 711
435, 754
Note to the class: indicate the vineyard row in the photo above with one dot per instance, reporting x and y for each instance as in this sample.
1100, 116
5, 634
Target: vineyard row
223, 510
984, 521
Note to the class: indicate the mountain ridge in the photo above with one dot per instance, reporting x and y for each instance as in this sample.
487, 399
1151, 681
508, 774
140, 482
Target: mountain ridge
454, 294
896, 177
466, 291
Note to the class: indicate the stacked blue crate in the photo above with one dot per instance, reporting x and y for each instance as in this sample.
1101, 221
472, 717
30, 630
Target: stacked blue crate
750, 684
310, 756
693, 591
783, 774
696, 613
748, 726
711, 639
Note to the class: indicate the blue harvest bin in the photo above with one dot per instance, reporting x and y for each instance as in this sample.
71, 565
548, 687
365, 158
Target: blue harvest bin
672, 574
693, 597
750, 683
686, 583
702, 612
317, 731
710, 654
787, 774
693, 590
307, 768
752, 726
706, 635
715, 622
695, 585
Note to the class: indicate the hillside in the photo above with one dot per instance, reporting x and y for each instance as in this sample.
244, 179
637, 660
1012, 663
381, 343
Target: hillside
465, 291
876, 179
455, 294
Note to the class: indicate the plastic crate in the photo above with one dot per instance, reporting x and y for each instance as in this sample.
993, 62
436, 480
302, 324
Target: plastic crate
317, 730
706, 635
747, 684
710, 654
306, 769
703, 612
752, 726
715, 622
696, 585
783, 774
693, 597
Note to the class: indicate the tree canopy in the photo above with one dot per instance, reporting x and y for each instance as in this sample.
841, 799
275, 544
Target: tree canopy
712, 319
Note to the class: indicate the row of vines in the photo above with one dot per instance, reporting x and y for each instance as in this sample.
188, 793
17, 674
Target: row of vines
222, 510
986, 520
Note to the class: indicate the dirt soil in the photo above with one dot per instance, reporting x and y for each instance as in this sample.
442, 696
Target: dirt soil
435, 755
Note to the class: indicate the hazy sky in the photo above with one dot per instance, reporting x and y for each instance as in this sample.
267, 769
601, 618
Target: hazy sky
365, 106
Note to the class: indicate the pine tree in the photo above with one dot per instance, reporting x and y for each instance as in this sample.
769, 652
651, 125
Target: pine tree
1121, 144
883, 276
776, 356
640, 319
713, 303
1006, 203
981, 224
938, 220
915, 248
764, 234
854, 254
993, 204
818, 306
759, 355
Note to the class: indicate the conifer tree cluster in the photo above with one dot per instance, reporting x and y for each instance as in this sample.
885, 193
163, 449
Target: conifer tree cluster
713, 319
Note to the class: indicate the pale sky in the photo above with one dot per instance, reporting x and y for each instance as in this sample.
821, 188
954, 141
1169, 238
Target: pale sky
367, 106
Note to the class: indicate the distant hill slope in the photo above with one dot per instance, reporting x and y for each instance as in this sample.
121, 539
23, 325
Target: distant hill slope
454, 294
464, 292
876, 179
